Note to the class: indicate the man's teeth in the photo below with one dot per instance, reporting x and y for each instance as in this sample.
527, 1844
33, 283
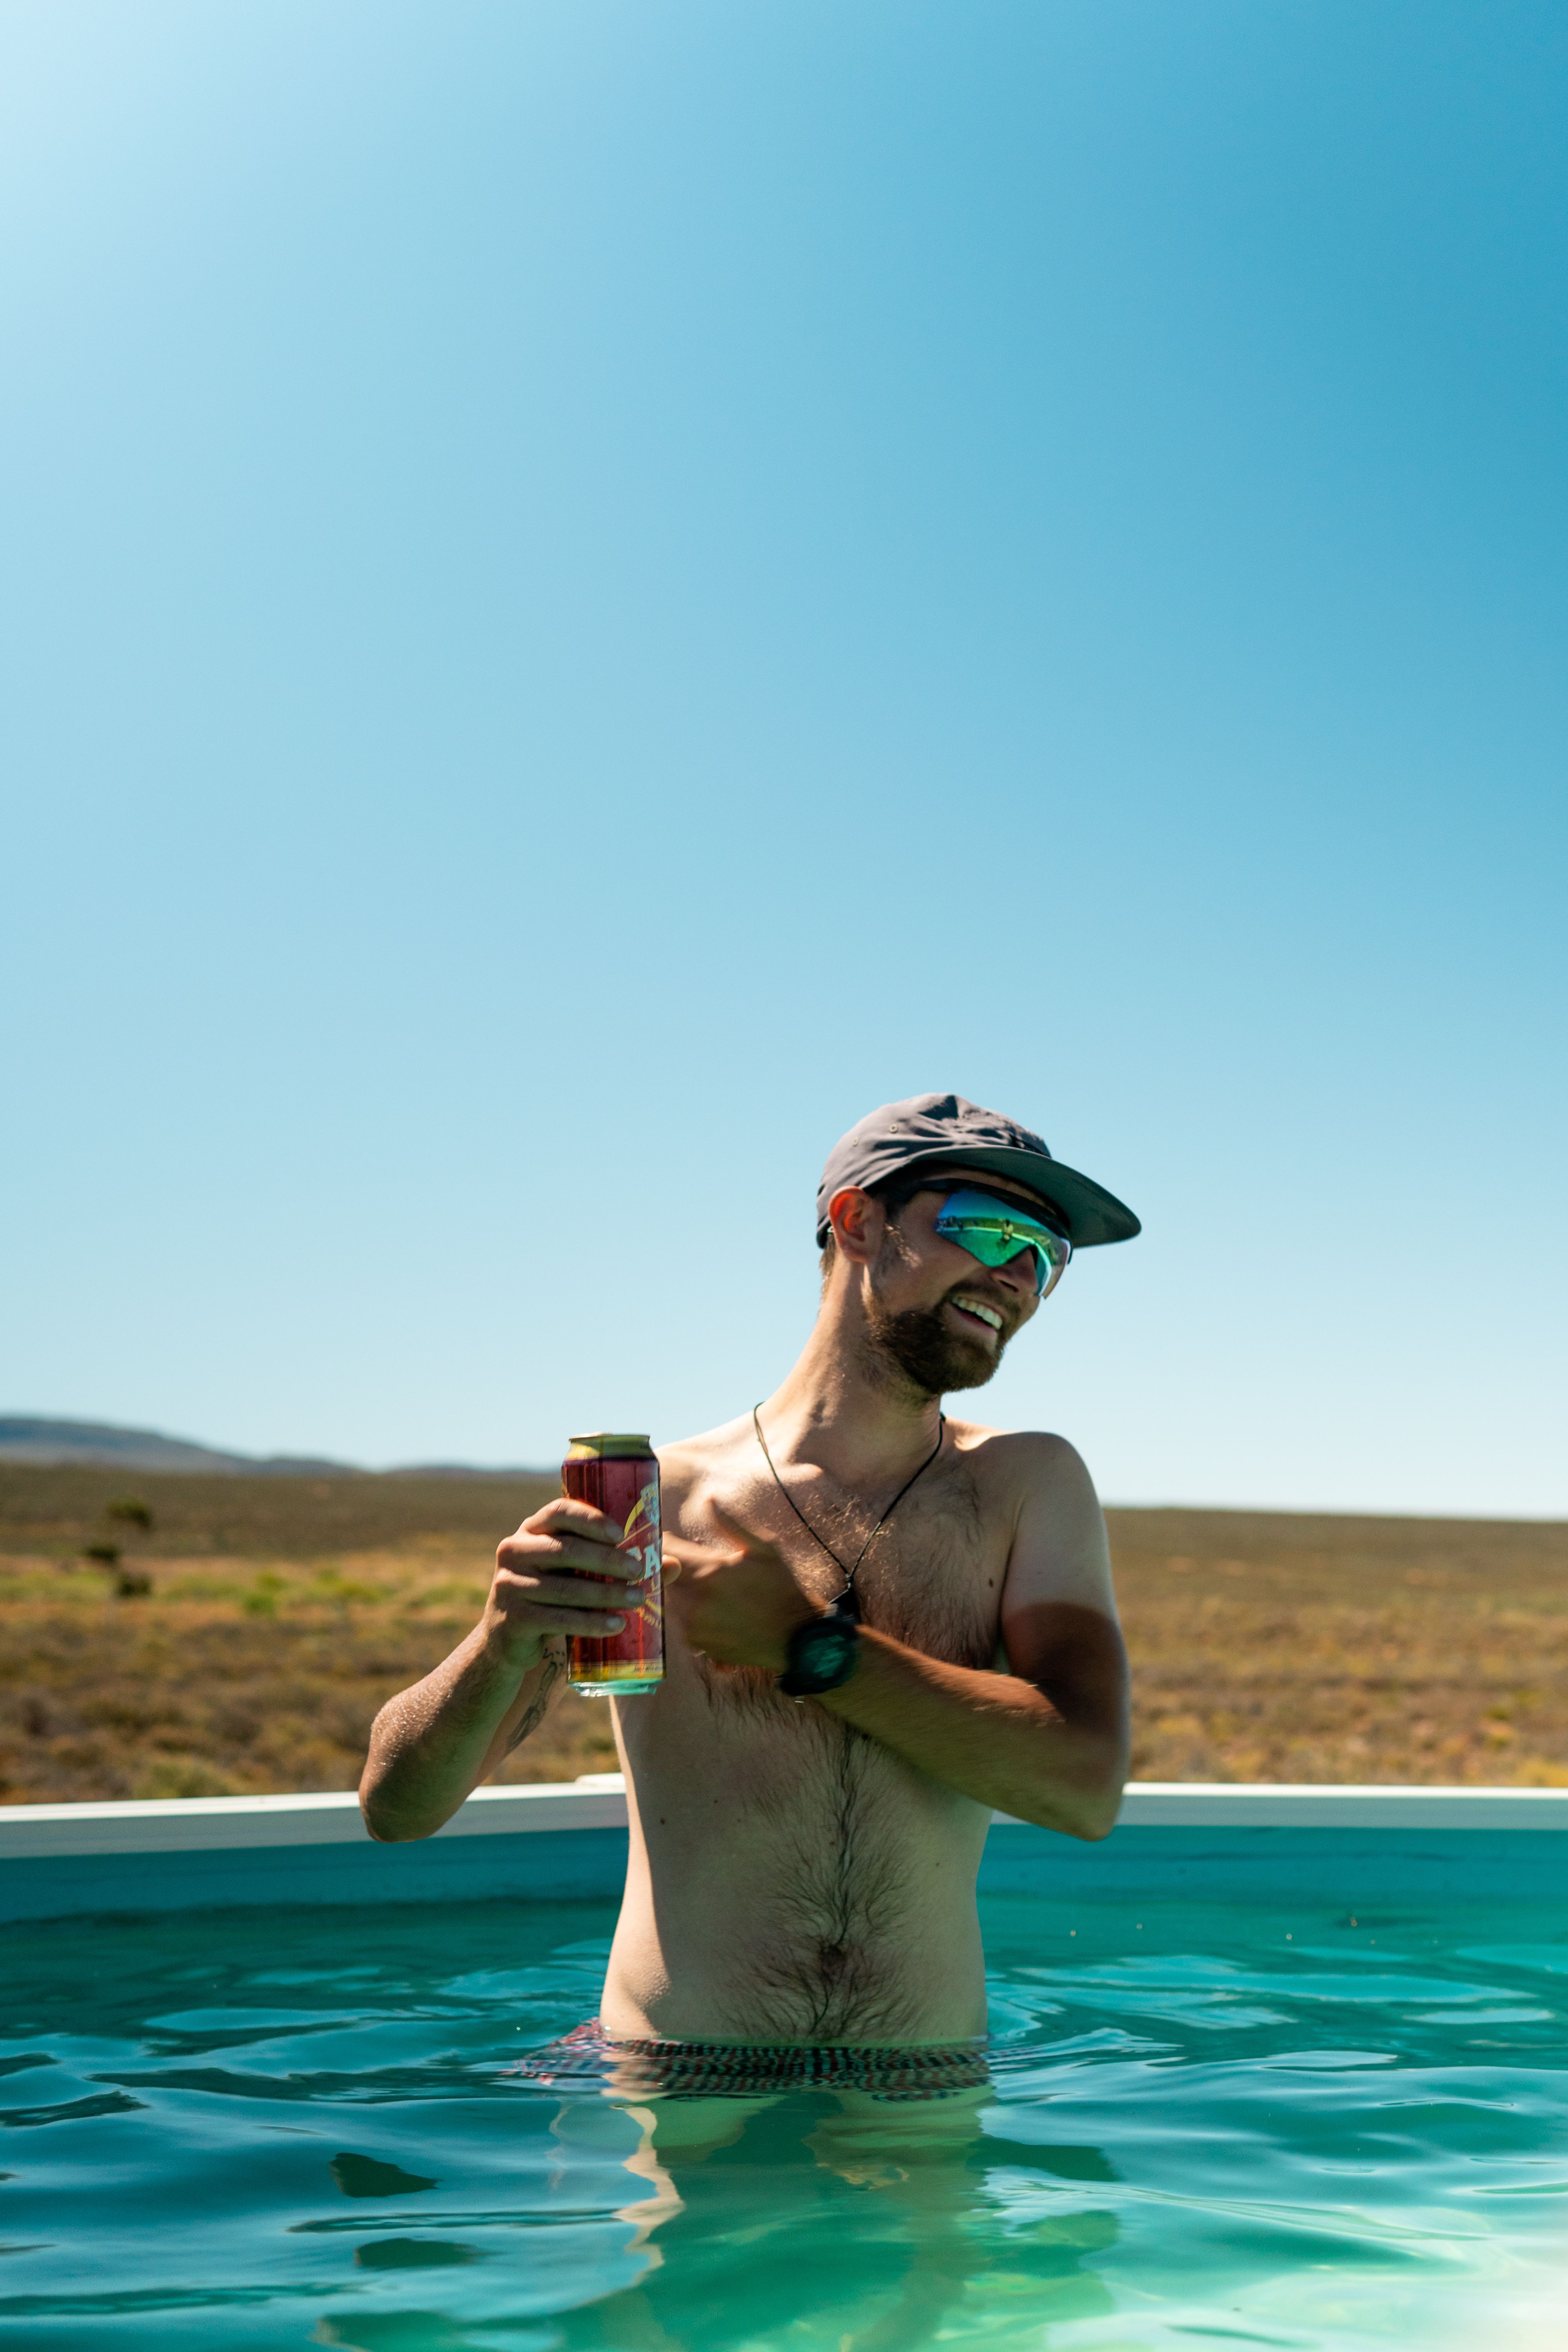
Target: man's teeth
987, 1314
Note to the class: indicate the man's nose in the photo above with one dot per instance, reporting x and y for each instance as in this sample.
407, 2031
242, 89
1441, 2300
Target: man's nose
1018, 1273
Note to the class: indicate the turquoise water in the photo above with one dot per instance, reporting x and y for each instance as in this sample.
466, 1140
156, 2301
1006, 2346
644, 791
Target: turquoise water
1207, 2124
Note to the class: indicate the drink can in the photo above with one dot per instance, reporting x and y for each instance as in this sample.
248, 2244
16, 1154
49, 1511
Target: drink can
618, 1473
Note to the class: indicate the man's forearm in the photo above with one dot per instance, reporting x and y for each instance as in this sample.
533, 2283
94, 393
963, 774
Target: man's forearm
432, 1744
995, 1737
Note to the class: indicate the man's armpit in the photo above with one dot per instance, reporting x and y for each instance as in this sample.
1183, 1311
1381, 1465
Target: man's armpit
1072, 1654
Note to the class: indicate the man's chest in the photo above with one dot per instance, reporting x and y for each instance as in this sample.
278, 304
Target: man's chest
930, 1575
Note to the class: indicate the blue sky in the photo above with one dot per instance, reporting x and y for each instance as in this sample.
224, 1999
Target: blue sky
593, 590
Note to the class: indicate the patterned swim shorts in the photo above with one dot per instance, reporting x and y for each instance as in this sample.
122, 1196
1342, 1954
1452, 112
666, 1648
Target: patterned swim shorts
751, 2070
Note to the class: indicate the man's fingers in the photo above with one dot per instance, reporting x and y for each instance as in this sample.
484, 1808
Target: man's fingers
747, 1545
742, 1538
544, 1555
566, 1516
677, 1549
570, 1621
585, 1594
695, 1556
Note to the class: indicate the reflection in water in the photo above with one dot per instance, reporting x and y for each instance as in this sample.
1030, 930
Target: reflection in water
366, 2176
413, 2254
853, 2221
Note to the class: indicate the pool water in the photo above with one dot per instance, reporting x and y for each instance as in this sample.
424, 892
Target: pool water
1205, 2124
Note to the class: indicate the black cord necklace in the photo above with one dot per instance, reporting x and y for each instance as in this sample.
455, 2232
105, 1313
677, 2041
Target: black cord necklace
847, 1605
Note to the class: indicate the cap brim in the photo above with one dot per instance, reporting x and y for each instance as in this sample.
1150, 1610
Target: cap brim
1089, 1213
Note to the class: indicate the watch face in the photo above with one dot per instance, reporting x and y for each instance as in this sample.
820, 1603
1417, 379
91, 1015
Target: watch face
827, 1645
821, 1656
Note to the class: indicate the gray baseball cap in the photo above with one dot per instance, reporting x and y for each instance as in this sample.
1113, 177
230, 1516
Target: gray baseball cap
932, 1129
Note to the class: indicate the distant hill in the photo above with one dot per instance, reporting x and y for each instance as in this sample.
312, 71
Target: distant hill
26, 1437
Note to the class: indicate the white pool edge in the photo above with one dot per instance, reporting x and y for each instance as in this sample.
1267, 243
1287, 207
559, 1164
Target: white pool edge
597, 1801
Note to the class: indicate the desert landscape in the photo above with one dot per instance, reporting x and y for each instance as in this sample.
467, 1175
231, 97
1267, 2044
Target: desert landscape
174, 1636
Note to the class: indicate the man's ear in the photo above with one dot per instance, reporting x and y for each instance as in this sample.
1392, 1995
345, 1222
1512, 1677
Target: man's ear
858, 1223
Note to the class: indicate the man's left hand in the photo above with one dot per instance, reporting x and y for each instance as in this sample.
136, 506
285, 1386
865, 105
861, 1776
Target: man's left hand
736, 1601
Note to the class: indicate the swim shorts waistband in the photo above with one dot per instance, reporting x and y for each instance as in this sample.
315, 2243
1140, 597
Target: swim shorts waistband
738, 2070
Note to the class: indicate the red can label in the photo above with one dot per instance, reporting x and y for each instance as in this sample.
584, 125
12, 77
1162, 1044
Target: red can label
619, 1476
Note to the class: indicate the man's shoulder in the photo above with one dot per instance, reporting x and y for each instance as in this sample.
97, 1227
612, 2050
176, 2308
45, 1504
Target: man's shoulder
1019, 1473
1016, 1452
689, 1459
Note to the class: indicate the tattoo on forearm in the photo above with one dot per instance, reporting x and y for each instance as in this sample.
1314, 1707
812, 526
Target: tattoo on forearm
551, 1668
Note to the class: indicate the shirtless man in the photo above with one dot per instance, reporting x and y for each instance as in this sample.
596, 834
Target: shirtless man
809, 1790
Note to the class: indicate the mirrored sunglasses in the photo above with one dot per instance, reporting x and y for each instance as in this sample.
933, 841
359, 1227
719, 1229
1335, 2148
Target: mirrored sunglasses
994, 1233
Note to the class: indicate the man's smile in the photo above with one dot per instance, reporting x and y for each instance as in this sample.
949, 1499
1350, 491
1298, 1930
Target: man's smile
974, 1311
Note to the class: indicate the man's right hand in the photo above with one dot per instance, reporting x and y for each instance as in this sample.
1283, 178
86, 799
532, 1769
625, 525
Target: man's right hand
548, 1581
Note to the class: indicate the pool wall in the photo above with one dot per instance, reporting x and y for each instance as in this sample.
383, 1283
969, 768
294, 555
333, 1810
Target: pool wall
555, 1844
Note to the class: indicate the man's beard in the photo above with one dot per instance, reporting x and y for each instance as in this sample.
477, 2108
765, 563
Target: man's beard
932, 1357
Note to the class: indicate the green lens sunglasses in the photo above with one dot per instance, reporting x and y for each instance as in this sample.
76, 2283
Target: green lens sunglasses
980, 1223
